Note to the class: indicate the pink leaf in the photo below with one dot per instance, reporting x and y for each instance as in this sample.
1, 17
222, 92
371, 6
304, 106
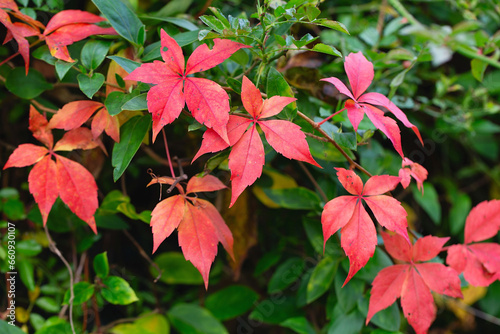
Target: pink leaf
483, 221
341, 87
251, 98
428, 247
397, 246
350, 181
385, 124
26, 155
389, 213
171, 53
359, 71
440, 279
336, 214
380, 184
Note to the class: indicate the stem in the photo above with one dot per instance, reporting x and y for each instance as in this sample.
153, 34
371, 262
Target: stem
55, 250
41, 107
329, 117
17, 53
331, 140
313, 180
144, 254
168, 153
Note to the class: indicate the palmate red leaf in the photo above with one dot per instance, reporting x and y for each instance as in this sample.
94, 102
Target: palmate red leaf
480, 262
358, 235
413, 282
103, 121
69, 26
39, 126
42, 182
360, 74
77, 188
26, 155
416, 171
73, 114
200, 226
206, 100
79, 138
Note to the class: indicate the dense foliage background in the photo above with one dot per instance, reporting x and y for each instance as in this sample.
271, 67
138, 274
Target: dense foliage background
437, 60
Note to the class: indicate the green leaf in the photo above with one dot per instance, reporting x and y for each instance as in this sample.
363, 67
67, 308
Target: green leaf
294, 198
218, 13
28, 247
6, 328
129, 210
458, 213
101, 265
115, 100
14, 209
62, 67
193, 319
27, 273
183, 23
48, 304
277, 85
429, 201
122, 18
138, 102
377, 262
94, 52
276, 309
176, 270
349, 294
90, 85
213, 22
388, 318
26, 86
132, 134
347, 324
321, 278
287, 273
82, 292
331, 24
298, 325
118, 291
148, 324
127, 64
234, 85
231, 302
43, 53
328, 49
268, 260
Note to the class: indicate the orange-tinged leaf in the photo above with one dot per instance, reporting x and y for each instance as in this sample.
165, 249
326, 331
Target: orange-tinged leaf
73, 114
77, 188
245, 162
71, 16
79, 138
40, 129
165, 218
359, 240
26, 155
103, 121
274, 105
417, 303
203, 58
209, 104
205, 183
223, 232
251, 98
198, 240
416, 171
42, 182
156, 73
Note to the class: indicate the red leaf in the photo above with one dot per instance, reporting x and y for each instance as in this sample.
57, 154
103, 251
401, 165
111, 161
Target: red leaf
77, 188
205, 183
428, 247
79, 138
198, 240
245, 162
203, 58
359, 72
417, 303
71, 16
223, 232
103, 121
251, 98
42, 182
385, 124
386, 288
40, 129
26, 155
341, 87
489, 256
350, 181
440, 279
359, 240
209, 104
165, 218
207, 101
380, 184
73, 114
274, 105
397, 246
416, 171
286, 138
336, 214
389, 213
483, 221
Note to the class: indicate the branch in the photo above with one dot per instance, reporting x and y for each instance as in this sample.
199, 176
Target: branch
144, 255
331, 140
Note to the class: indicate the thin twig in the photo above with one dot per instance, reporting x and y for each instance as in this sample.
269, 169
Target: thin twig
144, 254
41, 107
152, 154
167, 152
331, 140
55, 250
313, 180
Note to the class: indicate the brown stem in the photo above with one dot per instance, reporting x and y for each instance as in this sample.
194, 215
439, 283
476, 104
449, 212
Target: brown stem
152, 154
144, 254
41, 107
167, 152
316, 137
114, 85
204, 9
313, 180
331, 140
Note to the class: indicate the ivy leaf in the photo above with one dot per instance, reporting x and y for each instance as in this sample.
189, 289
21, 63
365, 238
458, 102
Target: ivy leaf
359, 237
360, 73
247, 156
90, 85
117, 291
206, 100
414, 281
480, 262
200, 226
